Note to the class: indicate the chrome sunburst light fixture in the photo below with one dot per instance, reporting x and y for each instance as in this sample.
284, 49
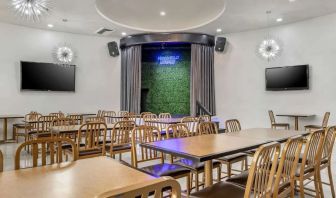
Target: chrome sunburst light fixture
64, 54
269, 48
31, 9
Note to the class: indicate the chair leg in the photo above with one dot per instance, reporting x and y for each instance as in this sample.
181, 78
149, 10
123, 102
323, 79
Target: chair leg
191, 180
292, 186
331, 181
317, 189
196, 182
219, 172
188, 184
301, 188
228, 170
319, 181
246, 163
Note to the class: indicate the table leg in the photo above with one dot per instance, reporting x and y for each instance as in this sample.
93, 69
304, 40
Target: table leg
208, 173
4, 129
297, 123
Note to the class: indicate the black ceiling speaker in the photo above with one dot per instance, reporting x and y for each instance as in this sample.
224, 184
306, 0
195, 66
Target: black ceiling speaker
220, 44
113, 48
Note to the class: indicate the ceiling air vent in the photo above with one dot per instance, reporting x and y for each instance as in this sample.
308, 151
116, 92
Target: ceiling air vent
104, 31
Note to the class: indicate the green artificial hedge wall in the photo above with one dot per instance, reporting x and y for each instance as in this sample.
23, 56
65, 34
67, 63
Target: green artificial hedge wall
166, 86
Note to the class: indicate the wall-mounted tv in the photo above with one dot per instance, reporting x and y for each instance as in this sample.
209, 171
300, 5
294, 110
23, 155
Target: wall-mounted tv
287, 78
47, 77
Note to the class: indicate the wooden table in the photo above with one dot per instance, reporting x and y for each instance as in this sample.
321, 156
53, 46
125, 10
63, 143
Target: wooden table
205, 148
296, 117
5, 119
72, 128
166, 120
82, 114
83, 178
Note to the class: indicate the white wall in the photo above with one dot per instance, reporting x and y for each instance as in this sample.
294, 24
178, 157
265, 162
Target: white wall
240, 74
97, 77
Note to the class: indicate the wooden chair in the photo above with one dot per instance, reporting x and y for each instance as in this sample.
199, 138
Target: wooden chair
192, 124
317, 127
232, 125
32, 116
95, 119
59, 114
63, 122
43, 127
154, 188
147, 118
1, 161
326, 161
91, 140
275, 125
145, 134
51, 151
109, 117
121, 138
141, 117
100, 113
164, 116
77, 118
310, 163
206, 128
260, 178
122, 113
204, 118
284, 185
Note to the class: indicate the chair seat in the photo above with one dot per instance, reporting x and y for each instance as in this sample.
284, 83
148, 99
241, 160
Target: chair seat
119, 147
68, 146
41, 135
220, 190
233, 157
90, 152
160, 170
240, 179
314, 126
194, 165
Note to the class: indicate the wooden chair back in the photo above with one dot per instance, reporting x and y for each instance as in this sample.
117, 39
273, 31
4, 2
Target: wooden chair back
59, 114
109, 117
150, 117
325, 119
313, 150
192, 123
100, 113
1, 161
232, 125
262, 171
204, 118
121, 132
50, 148
144, 134
152, 188
288, 165
94, 119
164, 116
92, 136
206, 128
78, 119
32, 116
130, 116
177, 131
122, 113
63, 122
271, 115
31, 121
45, 122
328, 145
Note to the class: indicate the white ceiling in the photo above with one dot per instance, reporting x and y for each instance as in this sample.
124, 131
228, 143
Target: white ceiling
136, 16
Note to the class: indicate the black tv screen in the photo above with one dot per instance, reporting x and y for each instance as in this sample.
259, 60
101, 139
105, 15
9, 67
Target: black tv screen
47, 77
287, 78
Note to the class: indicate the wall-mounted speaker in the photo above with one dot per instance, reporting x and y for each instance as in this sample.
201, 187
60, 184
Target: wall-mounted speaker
113, 48
220, 44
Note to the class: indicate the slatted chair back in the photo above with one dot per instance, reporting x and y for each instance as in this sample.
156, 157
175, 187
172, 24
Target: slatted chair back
262, 171
32, 116
130, 116
109, 117
206, 128
177, 131
287, 166
141, 117
204, 118
92, 136
94, 119
328, 145
144, 134
164, 116
232, 125
121, 133
50, 148
59, 114
78, 119
100, 113
44, 123
31, 121
153, 188
192, 123
325, 119
122, 113
271, 115
313, 150
1, 161
63, 122
147, 118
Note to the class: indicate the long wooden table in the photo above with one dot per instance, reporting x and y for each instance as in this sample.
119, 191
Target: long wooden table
296, 118
205, 148
5, 119
72, 128
83, 178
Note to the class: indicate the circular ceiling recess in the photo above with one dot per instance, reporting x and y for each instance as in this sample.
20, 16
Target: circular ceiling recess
161, 15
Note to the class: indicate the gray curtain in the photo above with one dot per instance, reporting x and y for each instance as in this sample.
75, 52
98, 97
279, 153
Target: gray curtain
202, 78
131, 79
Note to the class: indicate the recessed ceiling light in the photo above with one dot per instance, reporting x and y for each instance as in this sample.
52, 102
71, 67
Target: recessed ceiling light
162, 13
219, 30
50, 25
279, 20
291, 0
124, 33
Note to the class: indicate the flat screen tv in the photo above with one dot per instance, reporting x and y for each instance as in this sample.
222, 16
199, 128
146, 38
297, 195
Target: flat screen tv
287, 78
47, 77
